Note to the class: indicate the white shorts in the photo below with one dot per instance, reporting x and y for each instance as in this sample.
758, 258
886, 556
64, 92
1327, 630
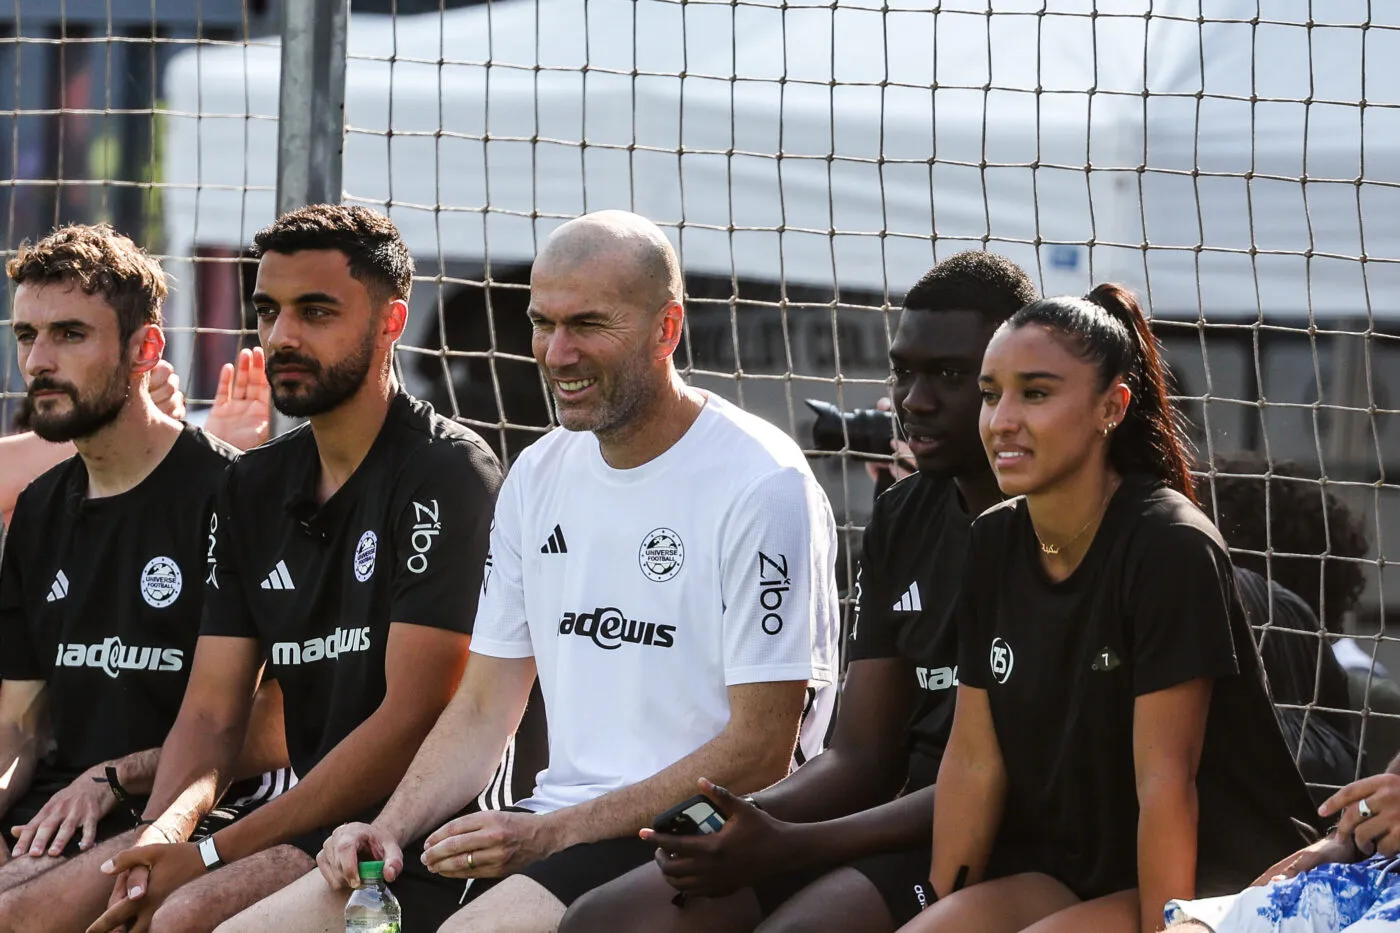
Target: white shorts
1360, 898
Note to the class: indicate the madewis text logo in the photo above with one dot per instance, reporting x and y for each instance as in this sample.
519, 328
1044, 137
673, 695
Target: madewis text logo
112, 657
332, 646
609, 629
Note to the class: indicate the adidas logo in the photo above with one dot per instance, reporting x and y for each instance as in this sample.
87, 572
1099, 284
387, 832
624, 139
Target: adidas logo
279, 579
59, 589
555, 544
910, 601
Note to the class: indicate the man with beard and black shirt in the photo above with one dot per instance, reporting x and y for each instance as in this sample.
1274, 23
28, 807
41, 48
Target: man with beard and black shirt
346, 553
806, 853
100, 594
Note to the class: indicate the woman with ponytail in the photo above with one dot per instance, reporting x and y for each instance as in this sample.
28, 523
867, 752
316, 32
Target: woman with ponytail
1113, 745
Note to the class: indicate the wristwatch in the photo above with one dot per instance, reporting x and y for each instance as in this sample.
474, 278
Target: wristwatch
209, 853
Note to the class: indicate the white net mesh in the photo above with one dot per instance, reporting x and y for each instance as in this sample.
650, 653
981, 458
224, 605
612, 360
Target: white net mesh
1233, 162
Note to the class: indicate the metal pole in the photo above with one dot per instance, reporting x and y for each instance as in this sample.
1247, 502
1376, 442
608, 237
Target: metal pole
310, 112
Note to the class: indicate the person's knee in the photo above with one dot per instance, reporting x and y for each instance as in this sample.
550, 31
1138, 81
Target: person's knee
14, 911
843, 899
182, 913
593, 913
516, 905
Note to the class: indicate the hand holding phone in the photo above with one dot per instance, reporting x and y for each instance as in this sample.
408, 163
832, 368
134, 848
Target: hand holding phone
694, 817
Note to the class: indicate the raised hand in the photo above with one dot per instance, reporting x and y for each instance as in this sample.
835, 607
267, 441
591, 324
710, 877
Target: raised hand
243, 403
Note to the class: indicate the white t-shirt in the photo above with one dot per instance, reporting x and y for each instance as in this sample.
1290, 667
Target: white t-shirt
643, 594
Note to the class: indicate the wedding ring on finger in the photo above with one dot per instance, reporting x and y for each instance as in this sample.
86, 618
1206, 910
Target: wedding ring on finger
1364, 809
471, 862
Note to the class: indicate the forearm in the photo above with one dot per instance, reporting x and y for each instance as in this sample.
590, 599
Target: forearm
361, 771
19, 754
195, 767
965, 823
137, 771
834, 784
742, 764
265, 744
903, 823
25, 457
1167, 825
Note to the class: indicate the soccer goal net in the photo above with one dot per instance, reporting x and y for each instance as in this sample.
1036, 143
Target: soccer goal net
1235, 163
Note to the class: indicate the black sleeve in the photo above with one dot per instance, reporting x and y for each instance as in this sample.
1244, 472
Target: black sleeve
442, 531
226, 609
1181, 599
974, 642
875, 633
18, 660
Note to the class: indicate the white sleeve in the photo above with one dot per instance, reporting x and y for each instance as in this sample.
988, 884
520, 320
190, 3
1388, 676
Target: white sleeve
779, 584
501, 629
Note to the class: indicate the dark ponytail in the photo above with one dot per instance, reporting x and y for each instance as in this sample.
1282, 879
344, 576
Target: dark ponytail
1108, 328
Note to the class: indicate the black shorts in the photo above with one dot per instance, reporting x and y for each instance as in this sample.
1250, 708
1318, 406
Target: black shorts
900, 877
241, 799
428, 900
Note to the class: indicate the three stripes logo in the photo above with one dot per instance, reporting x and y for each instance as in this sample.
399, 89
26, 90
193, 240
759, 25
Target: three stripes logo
279, 579
59, 589
910, 601
555, 544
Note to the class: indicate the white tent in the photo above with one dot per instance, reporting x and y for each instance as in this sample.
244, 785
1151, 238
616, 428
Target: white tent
905, 134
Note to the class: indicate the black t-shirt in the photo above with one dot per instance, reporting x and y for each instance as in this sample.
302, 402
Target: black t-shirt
910, 569
403, 540
101, 599
1152, 605
1298, 658
1302, 671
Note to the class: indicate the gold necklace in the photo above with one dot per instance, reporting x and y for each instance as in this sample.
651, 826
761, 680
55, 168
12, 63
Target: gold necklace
1051, 550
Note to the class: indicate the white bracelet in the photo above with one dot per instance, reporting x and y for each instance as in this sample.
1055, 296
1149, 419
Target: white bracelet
209, 853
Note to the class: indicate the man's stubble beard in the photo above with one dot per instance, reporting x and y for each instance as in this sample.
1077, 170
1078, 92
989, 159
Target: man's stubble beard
330, 387
87, 415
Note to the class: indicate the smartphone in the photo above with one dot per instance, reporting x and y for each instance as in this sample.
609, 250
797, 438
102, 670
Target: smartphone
694, 817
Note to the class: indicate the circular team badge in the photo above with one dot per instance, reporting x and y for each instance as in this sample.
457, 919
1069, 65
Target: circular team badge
661, 555
1003, 660
161, 582
364, 556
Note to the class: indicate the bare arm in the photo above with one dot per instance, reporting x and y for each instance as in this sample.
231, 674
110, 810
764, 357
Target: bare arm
23, 715
817, 817
752, 751
463, 749
1169, 728
265, 742
422, 667
866, 763
264, 748
25, 457
971, 795
199, 755
753, 748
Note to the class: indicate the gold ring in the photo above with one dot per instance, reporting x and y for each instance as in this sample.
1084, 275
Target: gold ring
471, 862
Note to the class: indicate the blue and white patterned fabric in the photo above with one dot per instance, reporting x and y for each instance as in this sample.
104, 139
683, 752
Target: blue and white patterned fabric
1363, 897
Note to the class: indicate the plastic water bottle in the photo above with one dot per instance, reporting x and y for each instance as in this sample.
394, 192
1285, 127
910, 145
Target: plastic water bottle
371, 907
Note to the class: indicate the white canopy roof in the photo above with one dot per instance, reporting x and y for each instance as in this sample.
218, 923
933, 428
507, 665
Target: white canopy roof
905, 135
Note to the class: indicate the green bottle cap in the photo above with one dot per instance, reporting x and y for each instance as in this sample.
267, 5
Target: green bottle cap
371, 871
